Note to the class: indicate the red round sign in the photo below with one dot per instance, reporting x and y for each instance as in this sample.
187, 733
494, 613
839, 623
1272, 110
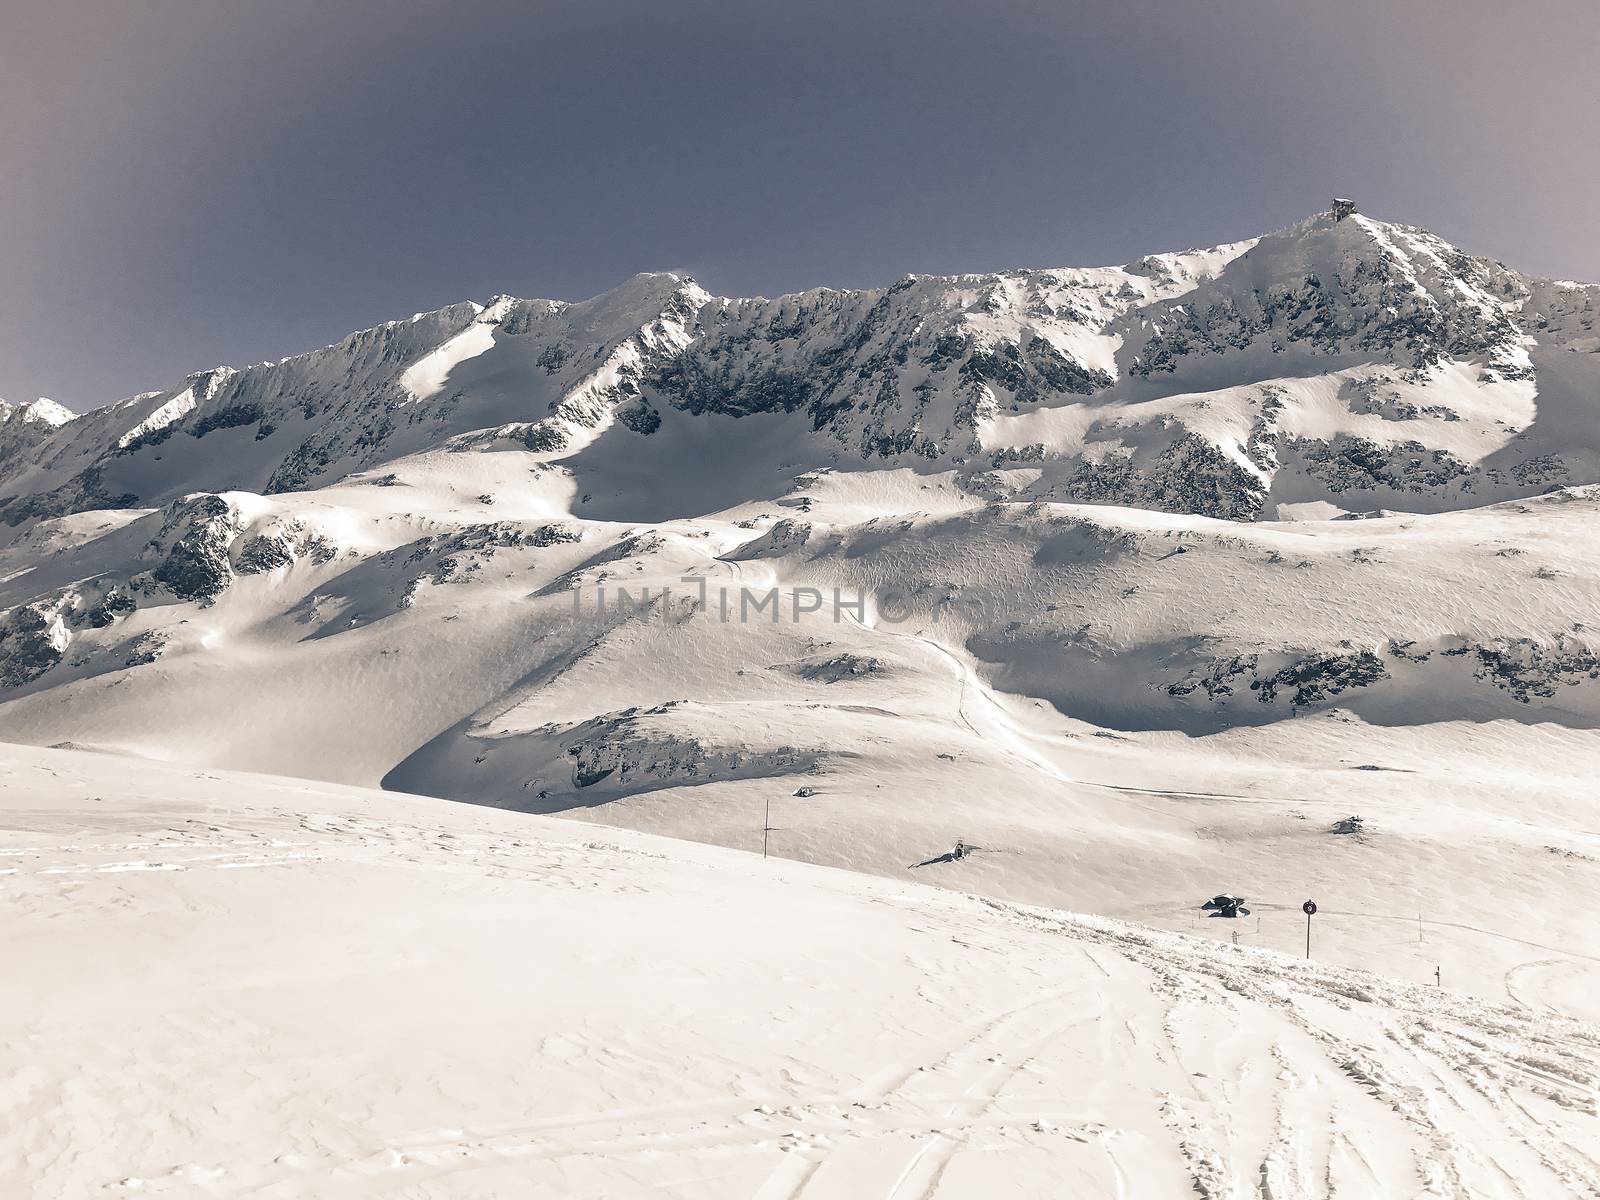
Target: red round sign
1309, 907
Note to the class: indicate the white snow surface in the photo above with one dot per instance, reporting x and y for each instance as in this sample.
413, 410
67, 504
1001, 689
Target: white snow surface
1267, 570
250, 986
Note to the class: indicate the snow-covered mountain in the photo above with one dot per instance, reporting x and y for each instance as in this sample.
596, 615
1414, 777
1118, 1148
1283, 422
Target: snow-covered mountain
1349, 361
1146, 579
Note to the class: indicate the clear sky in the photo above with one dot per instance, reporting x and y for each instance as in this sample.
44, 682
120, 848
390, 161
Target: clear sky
191, 182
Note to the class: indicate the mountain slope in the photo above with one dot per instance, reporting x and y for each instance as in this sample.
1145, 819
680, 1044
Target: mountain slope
1146, 579
326, 991
1340, 360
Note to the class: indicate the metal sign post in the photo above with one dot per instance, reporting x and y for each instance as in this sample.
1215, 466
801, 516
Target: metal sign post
1309, 907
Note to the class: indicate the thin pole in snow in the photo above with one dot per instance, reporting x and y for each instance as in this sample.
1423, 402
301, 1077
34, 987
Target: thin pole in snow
766, 827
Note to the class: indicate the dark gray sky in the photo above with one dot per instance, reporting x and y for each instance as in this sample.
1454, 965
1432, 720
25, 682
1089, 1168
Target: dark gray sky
191, 182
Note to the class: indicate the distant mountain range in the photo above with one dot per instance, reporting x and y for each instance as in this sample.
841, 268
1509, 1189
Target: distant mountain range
1303, 520
1352, 362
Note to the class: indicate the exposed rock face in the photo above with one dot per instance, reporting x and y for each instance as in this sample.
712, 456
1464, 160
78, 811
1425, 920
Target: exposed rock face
1103, 385
784, 537
1218, 679
82, 493
635, 750
1190, 475
201, 388
554, 534
264, 553
910, 370
1308, 678
145, 649
458, 556
639, 417
113, 604
1319, 676
192, 547
1342, 287
33, 639
281, 546
199, 547
1529, 670
1358, 464
838, 668
204, 543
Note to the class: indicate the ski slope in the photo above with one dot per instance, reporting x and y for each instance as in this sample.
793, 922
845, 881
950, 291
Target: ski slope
249, 986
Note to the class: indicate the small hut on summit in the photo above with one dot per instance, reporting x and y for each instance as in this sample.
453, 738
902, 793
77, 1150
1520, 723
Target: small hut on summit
1343, 208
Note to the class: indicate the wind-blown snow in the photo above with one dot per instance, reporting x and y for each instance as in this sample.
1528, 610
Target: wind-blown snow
248, 986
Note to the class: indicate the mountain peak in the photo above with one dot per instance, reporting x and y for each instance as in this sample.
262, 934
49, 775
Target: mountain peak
638, 301
650, 287
42, 411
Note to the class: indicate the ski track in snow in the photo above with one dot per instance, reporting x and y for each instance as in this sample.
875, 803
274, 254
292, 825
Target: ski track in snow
1026, 1045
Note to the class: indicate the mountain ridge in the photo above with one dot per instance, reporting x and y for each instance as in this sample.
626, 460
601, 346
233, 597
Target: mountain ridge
949, 369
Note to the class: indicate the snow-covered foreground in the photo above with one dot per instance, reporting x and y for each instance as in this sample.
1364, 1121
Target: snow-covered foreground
231, 985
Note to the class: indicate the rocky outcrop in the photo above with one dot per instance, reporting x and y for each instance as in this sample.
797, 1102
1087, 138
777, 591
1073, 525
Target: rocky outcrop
1531, 670
784, 537
1191, 475
635, 750
191, 550
458, 556
1306, 679
1356, 464
913, 369
33, 639
283, 544
114, 604
1528, 670
1317, 677
837, 668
